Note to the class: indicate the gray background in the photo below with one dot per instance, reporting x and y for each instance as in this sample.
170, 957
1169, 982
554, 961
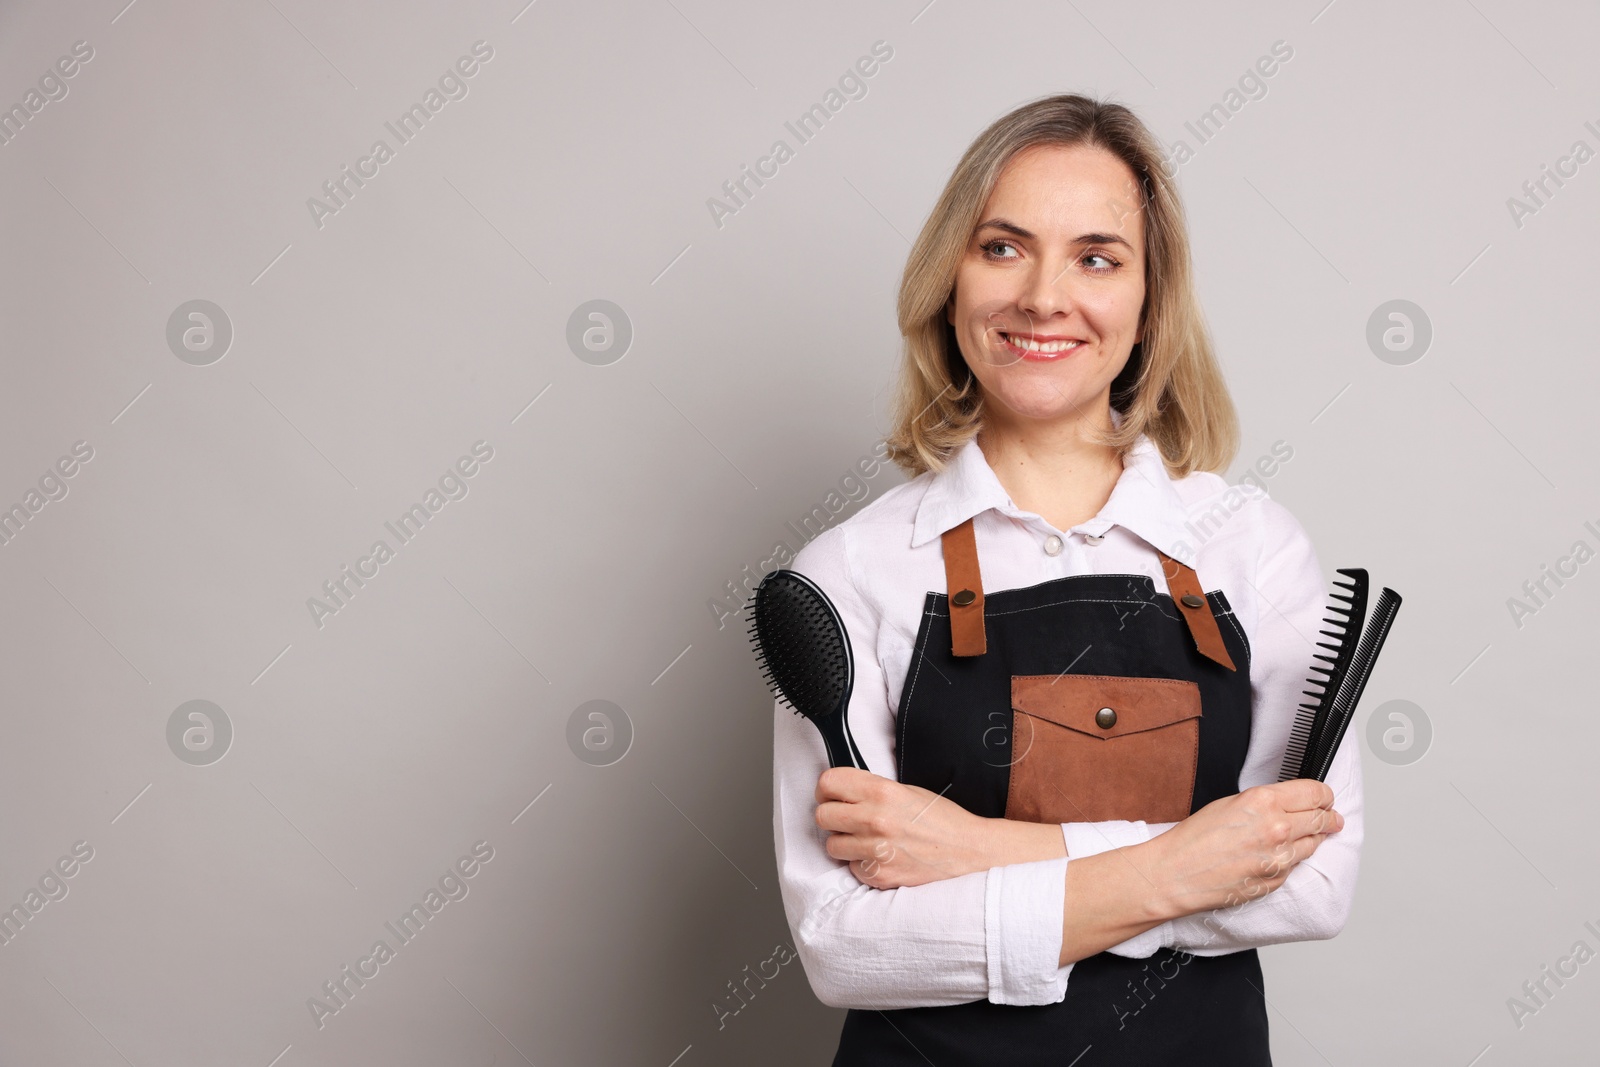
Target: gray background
431, 312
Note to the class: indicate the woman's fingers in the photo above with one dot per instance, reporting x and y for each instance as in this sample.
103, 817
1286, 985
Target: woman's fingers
846, 847
1318, 822
845, 783
1303, 794
1307, 830
850, 847
841, 817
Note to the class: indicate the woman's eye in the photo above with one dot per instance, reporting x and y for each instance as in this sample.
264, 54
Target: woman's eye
1107, 264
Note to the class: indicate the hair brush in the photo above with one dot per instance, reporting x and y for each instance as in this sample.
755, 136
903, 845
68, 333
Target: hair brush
804, 653
1320, 724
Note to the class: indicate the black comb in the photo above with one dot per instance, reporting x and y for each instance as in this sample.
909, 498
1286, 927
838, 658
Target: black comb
804, 653
1320, 759
1313, 716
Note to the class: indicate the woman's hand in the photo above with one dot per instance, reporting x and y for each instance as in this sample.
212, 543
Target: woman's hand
1238, 847
896, 835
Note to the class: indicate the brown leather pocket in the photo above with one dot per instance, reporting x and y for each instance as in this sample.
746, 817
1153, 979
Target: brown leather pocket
1093, 747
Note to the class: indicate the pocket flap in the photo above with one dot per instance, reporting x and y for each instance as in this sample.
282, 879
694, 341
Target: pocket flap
1074, 700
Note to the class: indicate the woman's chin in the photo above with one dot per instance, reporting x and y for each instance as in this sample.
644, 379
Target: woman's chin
1046, 404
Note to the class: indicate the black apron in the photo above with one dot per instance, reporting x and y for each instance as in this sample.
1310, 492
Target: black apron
1123, 738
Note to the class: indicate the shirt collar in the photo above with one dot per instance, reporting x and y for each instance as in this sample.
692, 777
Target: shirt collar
1143, 501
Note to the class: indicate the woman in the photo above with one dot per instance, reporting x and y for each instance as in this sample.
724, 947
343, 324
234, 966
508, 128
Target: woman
1078, 653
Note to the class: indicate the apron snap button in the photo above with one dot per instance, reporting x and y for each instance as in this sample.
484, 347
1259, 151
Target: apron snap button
1105, 718
963, 598
1191, 601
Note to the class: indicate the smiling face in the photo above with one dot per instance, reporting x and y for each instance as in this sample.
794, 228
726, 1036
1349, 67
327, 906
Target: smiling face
1048, 297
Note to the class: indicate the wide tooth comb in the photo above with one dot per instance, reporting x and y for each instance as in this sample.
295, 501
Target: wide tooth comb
1320, 760
1313, 716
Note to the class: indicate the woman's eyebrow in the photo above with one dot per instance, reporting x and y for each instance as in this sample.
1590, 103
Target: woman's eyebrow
1082, 239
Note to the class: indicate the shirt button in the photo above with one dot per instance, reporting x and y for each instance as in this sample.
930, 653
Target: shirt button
1052, 545
1094, 539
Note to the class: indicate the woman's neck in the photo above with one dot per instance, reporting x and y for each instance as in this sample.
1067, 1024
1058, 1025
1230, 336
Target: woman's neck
1051, 471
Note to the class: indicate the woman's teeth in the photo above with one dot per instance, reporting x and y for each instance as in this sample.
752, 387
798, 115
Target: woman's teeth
1046, 347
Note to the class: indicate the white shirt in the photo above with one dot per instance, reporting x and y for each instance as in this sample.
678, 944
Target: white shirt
996, 934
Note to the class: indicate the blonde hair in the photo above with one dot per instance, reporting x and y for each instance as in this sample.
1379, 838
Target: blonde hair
1171, 388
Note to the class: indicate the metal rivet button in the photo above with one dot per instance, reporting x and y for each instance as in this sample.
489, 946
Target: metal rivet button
1052, 545
963, 598
1189, 600
1105, 718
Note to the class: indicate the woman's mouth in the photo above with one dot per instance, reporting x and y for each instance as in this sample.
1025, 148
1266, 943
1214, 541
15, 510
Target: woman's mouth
1039, 348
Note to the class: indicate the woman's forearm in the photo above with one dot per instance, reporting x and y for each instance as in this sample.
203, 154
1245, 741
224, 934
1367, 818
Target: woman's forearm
1110, 896
1008, 841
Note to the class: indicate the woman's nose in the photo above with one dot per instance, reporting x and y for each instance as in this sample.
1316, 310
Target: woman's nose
1047, 290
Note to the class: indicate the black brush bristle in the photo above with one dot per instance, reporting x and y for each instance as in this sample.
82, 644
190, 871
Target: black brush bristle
800, 644
804, 653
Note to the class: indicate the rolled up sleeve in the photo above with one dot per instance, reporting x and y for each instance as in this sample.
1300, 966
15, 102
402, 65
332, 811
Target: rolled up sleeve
1314, 902
992, 935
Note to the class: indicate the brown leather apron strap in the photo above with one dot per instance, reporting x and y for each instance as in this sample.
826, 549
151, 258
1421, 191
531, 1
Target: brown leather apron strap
964, 582
965, 585
1184, 585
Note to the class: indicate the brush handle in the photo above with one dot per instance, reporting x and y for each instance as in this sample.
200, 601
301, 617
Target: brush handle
842, 751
